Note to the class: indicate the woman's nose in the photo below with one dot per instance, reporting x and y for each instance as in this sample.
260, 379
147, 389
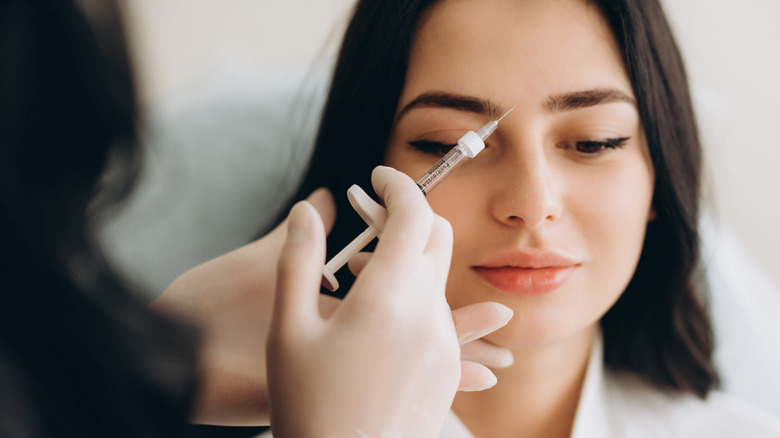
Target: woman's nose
525, 191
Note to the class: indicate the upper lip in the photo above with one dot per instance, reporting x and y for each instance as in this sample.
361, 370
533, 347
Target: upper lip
528, 259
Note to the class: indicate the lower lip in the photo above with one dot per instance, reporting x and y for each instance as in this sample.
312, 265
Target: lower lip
526, 281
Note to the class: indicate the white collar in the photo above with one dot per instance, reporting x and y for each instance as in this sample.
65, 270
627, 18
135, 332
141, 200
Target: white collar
616, 405
591, 419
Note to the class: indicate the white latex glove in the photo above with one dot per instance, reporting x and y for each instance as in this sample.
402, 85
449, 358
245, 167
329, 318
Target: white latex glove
472, 322
231, 299
387, 362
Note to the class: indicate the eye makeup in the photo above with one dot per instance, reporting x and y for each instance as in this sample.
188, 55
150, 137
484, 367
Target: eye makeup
589, 147
594, 147
432, 147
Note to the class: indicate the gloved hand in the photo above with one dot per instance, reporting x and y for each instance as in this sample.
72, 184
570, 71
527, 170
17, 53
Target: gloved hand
472, 322
387, 361
231, 298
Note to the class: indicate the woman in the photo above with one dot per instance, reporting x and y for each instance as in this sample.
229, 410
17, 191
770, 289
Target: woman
580, 215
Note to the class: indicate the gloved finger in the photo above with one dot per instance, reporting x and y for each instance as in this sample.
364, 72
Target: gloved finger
328, 305
299, 270
399, 258
322, 201
409, 220
487, 354
440, 246
475, 377
358, 262
477, 320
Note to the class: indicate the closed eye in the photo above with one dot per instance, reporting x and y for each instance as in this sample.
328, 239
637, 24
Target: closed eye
594, 147
431, 147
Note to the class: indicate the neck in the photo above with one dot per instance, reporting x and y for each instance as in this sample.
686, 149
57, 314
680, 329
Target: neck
537, 396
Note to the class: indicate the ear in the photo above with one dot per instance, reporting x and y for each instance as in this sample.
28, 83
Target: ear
652, 215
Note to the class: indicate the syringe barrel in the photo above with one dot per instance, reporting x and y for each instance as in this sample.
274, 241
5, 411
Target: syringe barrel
449, 162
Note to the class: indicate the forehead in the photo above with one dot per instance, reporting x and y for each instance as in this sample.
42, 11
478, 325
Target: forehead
513, 49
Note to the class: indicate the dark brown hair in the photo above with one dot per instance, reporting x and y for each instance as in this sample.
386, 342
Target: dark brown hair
659, 328
80, 354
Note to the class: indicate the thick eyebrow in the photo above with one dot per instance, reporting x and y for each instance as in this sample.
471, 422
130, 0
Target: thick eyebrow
583, 99
562, 102
438, 99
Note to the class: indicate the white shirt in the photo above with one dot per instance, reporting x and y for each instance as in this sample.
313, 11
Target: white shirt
620, 405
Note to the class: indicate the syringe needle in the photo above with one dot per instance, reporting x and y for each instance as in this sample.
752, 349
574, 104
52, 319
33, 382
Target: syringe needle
505, 114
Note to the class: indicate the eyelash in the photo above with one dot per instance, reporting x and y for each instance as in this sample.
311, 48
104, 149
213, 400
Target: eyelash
600, 146
439, 148
431, 147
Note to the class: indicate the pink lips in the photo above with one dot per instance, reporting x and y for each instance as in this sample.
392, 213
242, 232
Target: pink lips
527, 273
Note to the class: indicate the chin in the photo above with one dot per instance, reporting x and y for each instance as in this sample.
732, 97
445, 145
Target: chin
520, 335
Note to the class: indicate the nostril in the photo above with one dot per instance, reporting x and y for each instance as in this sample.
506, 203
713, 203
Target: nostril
518, 220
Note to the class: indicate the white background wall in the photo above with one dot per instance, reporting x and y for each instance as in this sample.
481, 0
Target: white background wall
731, 50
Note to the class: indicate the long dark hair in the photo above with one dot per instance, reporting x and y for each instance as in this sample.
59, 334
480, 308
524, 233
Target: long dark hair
80, 355
659, 328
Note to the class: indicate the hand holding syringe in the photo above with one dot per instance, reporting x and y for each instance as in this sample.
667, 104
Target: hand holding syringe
375, 215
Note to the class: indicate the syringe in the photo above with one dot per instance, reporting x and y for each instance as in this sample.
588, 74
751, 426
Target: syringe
468, 146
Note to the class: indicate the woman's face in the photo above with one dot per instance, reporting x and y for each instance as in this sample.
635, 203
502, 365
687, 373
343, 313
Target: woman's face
550, 218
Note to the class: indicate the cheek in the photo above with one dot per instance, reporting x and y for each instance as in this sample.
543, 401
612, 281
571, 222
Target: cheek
611, 211
456, 200
400, 160
461, 199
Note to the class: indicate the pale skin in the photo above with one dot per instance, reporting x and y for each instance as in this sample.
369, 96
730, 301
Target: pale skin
542, 184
